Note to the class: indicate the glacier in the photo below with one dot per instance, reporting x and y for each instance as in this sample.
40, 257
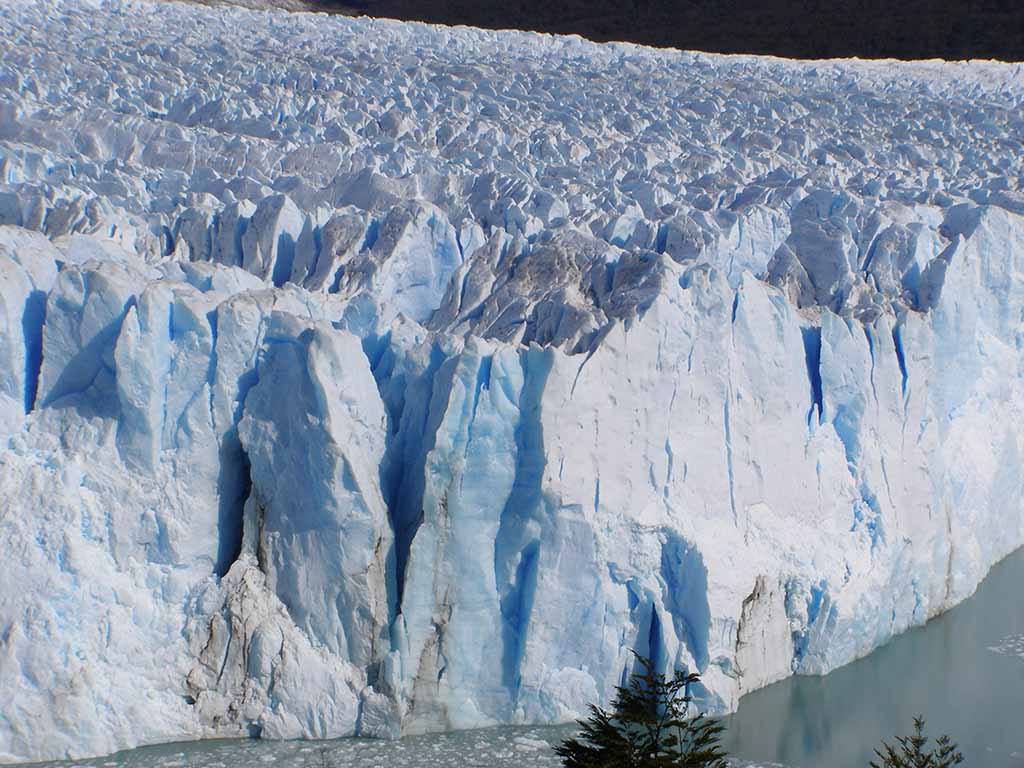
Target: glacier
372, 378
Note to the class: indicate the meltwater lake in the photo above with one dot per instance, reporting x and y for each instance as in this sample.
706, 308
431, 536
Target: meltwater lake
963, 671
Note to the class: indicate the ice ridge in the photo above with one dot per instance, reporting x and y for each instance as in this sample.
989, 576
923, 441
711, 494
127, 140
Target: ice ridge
362, 377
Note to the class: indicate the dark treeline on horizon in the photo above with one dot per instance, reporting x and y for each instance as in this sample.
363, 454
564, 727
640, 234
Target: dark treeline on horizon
905, 29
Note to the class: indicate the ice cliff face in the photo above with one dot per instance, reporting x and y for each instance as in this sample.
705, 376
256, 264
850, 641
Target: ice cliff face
368, 378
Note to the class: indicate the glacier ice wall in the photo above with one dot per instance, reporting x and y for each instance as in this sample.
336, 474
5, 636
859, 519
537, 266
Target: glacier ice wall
360, 377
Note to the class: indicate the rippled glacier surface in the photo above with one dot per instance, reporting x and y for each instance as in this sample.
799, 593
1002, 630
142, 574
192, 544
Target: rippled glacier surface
361, 378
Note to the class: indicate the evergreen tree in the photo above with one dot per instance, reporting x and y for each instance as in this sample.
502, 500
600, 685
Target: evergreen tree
648, 727
910, 751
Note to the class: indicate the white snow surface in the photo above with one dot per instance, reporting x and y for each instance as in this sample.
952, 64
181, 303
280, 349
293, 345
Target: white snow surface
360, 377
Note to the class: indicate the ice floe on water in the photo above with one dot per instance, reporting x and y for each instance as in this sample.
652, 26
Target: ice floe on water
486, 748
1013, 645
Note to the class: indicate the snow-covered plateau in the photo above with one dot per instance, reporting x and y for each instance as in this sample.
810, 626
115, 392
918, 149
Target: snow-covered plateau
360, 377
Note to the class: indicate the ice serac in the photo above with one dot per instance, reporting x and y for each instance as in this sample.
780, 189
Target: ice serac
362, 378
319, 526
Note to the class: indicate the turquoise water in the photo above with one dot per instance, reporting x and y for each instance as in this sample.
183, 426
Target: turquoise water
963, 671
